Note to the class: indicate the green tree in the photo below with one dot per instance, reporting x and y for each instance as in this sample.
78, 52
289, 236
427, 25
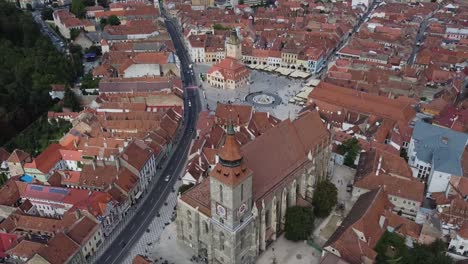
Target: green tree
113, 20
220, 27
88, 82
299, 223
89, 2
325, 198
70, 100
74, 32
350, 149
103, 3
47, 13
184, 188
391, 247
103, 21
3, 178
78, 8
404, 153
29, 65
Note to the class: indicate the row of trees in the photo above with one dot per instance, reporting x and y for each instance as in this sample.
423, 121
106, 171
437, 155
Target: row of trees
300, 220
29, 65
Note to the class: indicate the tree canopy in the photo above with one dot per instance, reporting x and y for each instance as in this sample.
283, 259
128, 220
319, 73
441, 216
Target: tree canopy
113, 20
70, 100
299, 223
325, 198
391, 248
350, 149
30, 64
185, 187
39, 135
78, 8
220, 27
47, 13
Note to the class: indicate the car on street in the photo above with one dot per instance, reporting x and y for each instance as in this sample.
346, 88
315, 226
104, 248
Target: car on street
189, 104
168, 177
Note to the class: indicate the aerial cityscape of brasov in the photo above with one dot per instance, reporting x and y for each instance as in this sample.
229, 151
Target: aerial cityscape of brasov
234, 131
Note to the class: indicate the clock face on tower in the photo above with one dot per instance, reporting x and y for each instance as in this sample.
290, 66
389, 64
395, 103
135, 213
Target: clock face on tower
220, 210
242, 209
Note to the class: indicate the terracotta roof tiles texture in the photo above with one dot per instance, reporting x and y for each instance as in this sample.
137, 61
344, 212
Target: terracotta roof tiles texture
25, 249
284, 148
394, 109
60, 249
364, 216
82, 230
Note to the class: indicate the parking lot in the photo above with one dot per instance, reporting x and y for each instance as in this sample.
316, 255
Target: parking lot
285, 88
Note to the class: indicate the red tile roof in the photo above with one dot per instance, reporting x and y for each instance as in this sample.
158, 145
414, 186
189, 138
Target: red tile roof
340, 97
7, 241
25, 249
83, 230
60, 249
230, 69
284, 148
18, 156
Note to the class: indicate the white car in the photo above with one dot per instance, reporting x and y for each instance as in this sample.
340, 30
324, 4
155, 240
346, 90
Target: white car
189, 104
168, 177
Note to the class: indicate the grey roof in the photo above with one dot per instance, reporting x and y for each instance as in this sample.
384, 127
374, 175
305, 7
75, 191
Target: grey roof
148, 46
442, 147
133, 86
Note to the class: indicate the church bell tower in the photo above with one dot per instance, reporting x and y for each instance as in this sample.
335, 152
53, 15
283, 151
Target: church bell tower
234, 46
230, 184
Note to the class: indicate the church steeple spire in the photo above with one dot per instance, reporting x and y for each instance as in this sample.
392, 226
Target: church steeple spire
230, 168
230, 154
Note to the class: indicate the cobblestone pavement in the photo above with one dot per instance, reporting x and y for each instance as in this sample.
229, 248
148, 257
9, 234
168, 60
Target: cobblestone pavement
168, 248
272, 83
285, 251
156, 228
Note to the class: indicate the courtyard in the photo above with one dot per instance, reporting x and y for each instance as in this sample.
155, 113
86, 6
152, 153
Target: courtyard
285, 251
341, 177
281, 88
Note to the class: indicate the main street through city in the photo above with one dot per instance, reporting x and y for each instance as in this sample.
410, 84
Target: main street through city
122, 244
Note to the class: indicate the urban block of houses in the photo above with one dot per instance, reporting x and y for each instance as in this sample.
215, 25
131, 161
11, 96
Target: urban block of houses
379, 168
371, 216
367, 116
66, 21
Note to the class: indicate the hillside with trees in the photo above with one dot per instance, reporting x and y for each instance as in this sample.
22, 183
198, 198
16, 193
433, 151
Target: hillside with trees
30, 64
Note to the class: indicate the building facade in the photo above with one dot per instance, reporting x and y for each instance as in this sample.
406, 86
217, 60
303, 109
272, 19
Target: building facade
234, 214
230, 73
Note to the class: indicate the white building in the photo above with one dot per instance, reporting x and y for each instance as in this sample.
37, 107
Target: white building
140, 159
435, 154
459, 243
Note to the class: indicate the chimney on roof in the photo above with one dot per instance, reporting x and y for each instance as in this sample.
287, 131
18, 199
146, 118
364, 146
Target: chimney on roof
378, 166
75, 143
117, 163
94, 164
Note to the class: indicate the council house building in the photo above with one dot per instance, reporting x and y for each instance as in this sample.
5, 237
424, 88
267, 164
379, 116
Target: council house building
230, 73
